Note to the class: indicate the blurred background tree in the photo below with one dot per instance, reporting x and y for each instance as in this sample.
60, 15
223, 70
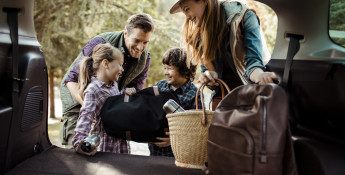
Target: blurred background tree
337, 21
64, 26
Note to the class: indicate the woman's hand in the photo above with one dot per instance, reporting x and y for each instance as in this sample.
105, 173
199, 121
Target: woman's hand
130, 91
260, 77
165, 141
209, 78
80, 151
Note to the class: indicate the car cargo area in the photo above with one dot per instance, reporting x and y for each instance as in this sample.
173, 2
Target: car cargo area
314, 86
57, 160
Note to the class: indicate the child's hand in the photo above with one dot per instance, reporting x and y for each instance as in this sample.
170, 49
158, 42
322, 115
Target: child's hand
130, 91
165, 141
80, 151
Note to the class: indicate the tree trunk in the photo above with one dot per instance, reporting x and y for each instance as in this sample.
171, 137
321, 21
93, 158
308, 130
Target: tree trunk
51, 93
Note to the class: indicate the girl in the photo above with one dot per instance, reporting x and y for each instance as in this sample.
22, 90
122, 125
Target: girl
179, 76
97, 81
225, 38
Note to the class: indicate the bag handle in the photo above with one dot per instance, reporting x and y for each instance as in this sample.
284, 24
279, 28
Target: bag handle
222, 84
155, 91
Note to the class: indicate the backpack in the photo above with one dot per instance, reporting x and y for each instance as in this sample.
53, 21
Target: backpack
249, 133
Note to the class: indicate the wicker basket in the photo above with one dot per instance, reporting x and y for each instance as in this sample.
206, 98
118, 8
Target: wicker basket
188, 138
189, 133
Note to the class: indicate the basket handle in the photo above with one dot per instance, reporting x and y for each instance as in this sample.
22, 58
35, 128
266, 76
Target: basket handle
222, 84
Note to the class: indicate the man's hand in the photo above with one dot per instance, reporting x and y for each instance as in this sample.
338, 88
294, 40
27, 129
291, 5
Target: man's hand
165, 141
130, 91
80, 151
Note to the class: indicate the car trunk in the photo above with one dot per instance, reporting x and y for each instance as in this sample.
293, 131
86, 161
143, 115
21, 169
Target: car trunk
57, 160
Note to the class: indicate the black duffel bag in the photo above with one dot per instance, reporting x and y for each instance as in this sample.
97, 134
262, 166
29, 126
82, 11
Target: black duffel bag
139, 117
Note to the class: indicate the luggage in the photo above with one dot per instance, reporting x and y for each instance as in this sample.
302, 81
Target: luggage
139, 117
249, 133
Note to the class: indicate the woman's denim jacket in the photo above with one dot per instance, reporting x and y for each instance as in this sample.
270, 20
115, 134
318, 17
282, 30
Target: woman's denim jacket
251, 40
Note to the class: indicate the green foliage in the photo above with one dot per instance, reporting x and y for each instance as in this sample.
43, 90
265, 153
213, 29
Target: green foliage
337, 15
337, 19
58, 30
63, 27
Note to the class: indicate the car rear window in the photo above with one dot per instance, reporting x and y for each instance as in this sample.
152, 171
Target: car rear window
337, 21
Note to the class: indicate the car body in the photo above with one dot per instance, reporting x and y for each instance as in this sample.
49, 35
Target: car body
315, 89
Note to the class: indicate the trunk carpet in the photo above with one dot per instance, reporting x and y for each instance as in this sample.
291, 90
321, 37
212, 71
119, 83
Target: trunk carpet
65, 161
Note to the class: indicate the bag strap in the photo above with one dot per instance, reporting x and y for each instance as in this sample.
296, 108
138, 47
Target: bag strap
222, 84
126, 98
156, 90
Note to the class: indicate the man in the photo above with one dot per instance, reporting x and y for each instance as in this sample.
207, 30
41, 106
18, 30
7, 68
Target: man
132, 42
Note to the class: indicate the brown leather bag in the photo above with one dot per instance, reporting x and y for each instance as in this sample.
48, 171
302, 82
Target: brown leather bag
249, 133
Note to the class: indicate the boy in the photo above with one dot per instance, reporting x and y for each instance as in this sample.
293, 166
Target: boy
179, 76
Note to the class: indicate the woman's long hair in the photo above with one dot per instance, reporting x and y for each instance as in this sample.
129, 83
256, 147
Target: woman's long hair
89, 65
203, 42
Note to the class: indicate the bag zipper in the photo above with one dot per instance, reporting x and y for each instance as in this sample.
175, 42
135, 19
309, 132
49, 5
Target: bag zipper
263, 153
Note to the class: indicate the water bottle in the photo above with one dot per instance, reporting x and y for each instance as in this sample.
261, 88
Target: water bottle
90, 143
172, 106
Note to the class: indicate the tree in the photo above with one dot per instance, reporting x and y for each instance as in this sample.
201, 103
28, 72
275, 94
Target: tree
63, 27
337, 19
54, 28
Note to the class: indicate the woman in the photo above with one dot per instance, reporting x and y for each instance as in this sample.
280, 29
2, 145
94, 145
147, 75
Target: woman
225, 38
